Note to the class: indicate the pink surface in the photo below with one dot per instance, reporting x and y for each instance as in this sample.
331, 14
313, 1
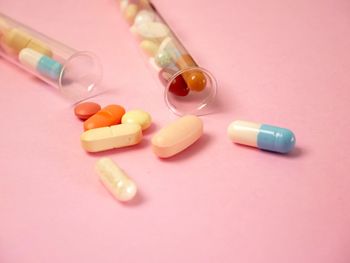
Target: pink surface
277, 62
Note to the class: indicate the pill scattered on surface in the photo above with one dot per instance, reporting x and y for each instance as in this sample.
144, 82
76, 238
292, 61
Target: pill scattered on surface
115, 180
152, 30
86, 109
149, 47
107, 138
139, 117
262, 136
108, 116
41, 63
177, 136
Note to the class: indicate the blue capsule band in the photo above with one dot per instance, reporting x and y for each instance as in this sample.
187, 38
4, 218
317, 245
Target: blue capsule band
49, 67
275, 139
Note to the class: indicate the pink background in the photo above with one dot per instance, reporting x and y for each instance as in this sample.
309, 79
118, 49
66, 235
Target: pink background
278, 62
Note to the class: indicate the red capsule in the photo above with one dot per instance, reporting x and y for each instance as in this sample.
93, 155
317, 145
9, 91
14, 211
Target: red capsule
179, 87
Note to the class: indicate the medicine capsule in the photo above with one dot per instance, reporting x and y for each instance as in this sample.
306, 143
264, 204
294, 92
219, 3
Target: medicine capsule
139, 117
86, 109
43, 64
115, 180
262, 136
110, 115
195, 79
40, 47
16, 39
177, 136
107, 138
130, 12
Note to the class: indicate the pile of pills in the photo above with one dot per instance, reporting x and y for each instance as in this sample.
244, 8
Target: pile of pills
166, 53
112, 127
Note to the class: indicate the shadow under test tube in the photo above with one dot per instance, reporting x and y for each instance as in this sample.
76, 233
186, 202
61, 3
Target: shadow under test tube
189, 89
75, 73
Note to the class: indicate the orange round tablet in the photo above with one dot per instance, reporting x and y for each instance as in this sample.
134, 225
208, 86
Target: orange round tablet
86, 109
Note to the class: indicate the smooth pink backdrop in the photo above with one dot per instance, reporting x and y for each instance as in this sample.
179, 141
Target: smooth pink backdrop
279, 62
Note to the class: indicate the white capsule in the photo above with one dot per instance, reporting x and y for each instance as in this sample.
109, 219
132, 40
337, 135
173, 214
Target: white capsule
115, 180
29, 57
45, 65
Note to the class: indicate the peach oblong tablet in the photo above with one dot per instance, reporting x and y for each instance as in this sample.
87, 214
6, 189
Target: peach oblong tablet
177, 136
106, 138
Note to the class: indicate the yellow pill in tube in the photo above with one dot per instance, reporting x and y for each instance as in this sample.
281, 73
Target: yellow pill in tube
106, 138
16, 39
116, 180
40, 47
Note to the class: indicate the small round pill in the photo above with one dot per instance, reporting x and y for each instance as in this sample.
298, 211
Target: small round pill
86, 109
140, 117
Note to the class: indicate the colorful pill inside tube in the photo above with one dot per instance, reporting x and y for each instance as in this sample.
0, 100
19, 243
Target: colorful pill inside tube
262, 136
188, 88
76, 74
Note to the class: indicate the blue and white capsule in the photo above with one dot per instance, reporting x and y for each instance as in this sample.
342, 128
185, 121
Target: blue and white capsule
262, 136
45, 65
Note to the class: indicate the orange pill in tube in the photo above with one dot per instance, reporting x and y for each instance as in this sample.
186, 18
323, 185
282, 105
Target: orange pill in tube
108, 116
195, 78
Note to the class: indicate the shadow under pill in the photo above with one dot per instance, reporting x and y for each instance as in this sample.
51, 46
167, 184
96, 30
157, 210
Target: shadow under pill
191, 151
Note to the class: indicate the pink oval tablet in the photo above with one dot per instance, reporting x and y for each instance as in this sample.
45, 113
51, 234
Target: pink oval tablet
86, 109
177, 136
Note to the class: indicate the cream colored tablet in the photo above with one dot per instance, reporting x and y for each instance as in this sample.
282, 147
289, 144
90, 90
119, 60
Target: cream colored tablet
139, 117
106, 138
177, 136
115, 180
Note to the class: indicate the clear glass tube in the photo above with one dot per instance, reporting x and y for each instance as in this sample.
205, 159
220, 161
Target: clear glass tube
189, 89
75, 73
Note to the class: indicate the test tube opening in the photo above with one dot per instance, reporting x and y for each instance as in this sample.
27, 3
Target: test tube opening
181, 100
80, 75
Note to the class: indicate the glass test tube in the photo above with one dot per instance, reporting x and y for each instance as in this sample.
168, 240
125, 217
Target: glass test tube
189, 89
75, 73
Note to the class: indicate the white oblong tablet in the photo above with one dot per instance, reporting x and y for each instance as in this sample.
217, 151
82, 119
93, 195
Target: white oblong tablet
115, 180
106, 138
